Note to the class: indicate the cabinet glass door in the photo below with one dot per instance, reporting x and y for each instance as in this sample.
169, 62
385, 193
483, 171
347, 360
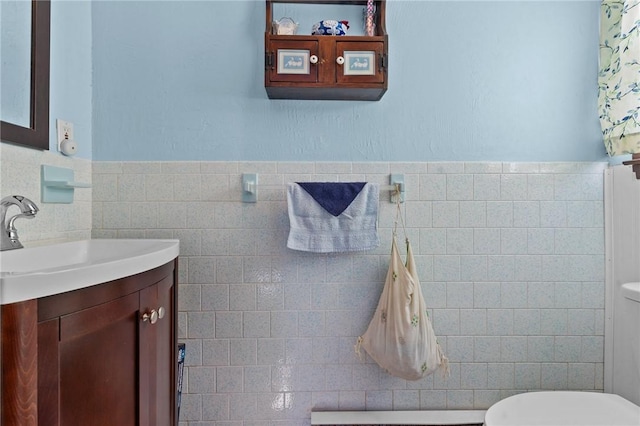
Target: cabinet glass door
359, 62
294, 61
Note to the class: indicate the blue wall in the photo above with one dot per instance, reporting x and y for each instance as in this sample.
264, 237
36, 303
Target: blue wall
477, 80
71, 86
71, 74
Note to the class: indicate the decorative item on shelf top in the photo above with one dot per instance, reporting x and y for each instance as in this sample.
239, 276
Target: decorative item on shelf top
369, 19
330, 27
285, 26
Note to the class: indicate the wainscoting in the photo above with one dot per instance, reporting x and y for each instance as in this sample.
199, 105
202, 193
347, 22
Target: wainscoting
511, 262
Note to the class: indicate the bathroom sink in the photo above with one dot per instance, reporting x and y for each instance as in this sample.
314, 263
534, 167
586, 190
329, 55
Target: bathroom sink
631, 291
35, 272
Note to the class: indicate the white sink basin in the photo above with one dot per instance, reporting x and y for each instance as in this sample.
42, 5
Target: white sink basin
631, 291
30, 273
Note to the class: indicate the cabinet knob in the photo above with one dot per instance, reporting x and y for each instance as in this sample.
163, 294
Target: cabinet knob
340, 60
154, 315
313, 59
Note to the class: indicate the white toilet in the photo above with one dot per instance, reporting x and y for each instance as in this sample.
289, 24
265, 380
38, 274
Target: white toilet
568, 408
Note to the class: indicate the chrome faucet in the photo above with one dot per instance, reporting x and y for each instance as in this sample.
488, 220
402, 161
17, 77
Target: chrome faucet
28, 209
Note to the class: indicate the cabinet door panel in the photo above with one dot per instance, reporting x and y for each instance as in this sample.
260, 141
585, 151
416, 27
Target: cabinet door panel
19, 392
359, 62
48, 361
98, 358
157, 356
294, 61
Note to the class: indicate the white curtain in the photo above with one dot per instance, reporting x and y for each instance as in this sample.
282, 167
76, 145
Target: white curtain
619, 76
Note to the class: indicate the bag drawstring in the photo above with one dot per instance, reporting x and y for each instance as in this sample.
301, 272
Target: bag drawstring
357, 347
444, 362
400, 216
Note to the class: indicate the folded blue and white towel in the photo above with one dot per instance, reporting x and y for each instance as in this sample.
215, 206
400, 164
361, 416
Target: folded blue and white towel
333, 217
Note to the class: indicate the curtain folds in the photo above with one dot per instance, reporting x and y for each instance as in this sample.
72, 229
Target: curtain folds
619, 76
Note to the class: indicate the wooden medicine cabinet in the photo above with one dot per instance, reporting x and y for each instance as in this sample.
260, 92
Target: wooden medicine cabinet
326, 67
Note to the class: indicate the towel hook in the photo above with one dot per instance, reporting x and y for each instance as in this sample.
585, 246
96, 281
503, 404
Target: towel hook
397, 180
249, 187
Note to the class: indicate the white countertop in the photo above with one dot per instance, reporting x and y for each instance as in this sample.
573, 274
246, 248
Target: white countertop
31, 273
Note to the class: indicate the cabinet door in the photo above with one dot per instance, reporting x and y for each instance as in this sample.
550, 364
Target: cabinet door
158, 357
359, 62
293, 61
19, 374
98, 364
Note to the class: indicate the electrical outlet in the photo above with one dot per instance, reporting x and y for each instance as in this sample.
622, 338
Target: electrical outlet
65, 131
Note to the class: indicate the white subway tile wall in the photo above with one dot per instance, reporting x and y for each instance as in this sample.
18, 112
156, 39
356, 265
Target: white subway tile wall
20, 175
510, 255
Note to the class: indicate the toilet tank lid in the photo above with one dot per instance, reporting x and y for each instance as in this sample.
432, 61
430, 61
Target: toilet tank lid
567, 408
631, 291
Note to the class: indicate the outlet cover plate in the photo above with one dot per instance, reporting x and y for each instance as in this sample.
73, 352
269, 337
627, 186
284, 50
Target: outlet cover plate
65, 130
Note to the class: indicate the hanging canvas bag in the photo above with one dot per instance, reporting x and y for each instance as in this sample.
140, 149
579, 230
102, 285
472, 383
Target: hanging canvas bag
400, 337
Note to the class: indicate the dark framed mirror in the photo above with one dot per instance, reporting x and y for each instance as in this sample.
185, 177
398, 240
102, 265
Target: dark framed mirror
35, 132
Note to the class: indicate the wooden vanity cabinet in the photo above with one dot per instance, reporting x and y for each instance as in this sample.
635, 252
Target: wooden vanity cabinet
326, 67
101, 355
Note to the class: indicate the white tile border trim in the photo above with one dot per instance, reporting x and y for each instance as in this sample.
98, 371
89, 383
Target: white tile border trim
420, 417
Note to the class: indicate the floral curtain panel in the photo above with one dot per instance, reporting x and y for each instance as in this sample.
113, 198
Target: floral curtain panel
619, 76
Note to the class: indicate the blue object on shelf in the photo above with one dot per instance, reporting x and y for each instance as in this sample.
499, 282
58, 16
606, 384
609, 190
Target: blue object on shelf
180, 374
58, 184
